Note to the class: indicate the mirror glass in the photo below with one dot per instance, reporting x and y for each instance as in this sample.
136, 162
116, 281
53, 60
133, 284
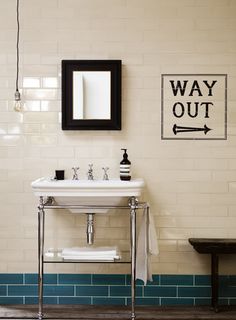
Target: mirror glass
91, 95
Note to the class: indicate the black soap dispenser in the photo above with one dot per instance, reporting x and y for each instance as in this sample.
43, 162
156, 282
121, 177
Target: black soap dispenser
125, 165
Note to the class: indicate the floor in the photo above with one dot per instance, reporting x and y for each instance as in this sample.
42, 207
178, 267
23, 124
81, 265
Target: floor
101, 312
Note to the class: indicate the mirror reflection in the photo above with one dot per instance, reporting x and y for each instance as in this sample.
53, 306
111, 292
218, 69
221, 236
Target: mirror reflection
91, 95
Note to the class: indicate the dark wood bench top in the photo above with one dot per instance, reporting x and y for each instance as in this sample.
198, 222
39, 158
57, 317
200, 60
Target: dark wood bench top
213, 245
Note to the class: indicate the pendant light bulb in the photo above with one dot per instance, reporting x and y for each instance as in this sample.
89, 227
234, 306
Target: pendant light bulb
18, 107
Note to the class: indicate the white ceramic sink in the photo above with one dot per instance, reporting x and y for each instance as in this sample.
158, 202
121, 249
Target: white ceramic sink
87, 192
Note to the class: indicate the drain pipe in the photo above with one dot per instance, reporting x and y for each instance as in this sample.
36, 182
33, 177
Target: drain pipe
90, 228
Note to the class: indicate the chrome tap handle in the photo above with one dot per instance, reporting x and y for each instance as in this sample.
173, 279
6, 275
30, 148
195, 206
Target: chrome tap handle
90, 172
75, 173
105, 175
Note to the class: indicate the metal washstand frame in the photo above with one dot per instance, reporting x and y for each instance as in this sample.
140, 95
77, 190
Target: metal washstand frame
49, 203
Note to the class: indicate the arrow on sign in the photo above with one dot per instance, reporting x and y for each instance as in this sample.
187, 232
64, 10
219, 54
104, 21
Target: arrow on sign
178, 129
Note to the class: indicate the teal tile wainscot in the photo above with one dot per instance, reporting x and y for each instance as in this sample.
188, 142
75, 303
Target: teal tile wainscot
98, 289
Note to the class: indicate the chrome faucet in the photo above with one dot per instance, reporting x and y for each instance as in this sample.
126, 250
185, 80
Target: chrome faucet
90, 172
105, 175
75, 173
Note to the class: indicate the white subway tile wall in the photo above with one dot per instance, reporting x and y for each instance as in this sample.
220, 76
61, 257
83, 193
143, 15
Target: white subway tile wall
189, 184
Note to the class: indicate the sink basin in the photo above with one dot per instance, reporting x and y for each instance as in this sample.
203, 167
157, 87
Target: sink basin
87, 192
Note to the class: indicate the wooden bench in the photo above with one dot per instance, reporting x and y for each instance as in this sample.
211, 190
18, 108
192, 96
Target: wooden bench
214, 247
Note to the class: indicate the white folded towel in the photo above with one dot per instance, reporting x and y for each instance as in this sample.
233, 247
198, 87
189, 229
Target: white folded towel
146, 246
91, 258
90, 253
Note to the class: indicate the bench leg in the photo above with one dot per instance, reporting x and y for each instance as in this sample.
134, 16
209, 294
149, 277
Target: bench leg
214, 281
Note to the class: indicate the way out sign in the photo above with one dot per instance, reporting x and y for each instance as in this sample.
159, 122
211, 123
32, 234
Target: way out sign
194, 106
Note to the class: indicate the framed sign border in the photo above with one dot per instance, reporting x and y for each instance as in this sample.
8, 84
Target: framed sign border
162, 104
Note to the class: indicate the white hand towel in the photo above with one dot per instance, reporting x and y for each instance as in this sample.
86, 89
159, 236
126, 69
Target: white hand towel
146, 247
92, 258
91, 253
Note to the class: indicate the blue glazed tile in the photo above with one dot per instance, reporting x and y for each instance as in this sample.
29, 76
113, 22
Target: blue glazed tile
194, 291
176, 301
226, 291
11, 300
160, 291
145, 301
203, 301
232, 302
207, 302
22, 290
202, 280
124, 291
232, 280
46, 300
75, 279
58, 290
48, 278
92, 291
3, 290
205, 280
108, 279
181, 280
154, 293
223, 302
11, 278
75, 300
128, 281
224, 281
156, 280
109, 301
31, 278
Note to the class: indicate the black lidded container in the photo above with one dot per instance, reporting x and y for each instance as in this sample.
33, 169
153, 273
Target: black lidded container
125, 165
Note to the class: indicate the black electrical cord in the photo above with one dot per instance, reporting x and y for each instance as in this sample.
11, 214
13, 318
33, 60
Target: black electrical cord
17, 43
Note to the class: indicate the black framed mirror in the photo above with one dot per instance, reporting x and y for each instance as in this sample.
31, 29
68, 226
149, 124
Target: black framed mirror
91, 94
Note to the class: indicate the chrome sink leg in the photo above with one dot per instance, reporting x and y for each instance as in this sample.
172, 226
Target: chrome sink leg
133, 203
41, 217
90, 228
